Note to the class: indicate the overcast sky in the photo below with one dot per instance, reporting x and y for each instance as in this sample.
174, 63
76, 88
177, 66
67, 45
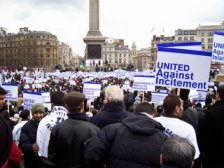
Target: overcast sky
131, 20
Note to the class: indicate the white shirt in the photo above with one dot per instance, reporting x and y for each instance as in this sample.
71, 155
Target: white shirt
17, 130
57, 115
180, 128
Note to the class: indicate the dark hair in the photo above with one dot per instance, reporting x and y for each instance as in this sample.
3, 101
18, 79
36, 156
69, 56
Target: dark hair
178, 152
24, 114
170, 103
221, 91
57, 98
184, 93
2, 91
198, 105
145, 107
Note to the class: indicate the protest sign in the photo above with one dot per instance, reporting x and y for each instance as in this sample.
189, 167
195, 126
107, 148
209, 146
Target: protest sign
12, 92
218, 47
91, 90
144, 83
31, 98
158, 97
179, 68
46, 97
182, 45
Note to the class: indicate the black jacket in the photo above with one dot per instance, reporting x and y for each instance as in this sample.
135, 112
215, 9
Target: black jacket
67, 140
27, 139
133, 143
5, 140
214, 136
112, 113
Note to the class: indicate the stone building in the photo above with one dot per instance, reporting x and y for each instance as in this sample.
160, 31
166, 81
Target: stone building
205, 35
65, 55
142, 60
116, 53
154, 42
31, 49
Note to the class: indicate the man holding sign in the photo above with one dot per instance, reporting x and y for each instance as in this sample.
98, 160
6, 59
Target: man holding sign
3, 92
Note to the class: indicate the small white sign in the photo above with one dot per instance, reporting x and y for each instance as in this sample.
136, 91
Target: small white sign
158, 97
144, 83
92, 90
46, 97
12, 92
202, 95
31, 98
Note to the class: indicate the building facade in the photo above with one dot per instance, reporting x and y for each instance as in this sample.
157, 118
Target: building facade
116, 53
65, 55
31, 49
156, 40
205, 35
142, 60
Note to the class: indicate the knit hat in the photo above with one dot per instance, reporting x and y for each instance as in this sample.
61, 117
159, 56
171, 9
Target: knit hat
37, 107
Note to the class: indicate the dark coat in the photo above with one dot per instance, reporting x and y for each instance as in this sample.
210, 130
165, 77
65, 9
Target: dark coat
67, 141
112, 113
5, 140
190, 115
133, 143
214, 136
27, 139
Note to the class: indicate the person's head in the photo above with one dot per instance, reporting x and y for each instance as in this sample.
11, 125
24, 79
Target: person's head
24, 115
74, 102
37, 111
113, 93
220, 93
173, 105
145, 107
3, 92
199, 105
159, 109
57, 98
178, 152
184, 93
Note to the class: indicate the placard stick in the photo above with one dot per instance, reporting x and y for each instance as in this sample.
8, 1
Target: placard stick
8, 105
178, 91
143, 96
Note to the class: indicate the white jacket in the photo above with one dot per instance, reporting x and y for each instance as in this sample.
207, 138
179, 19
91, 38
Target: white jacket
56, 116
180, 128
17, 130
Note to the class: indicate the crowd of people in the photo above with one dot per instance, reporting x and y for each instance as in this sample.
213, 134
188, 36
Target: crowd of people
118, 129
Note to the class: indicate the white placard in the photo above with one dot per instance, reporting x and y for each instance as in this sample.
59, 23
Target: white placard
158, 97
91, 90
179, 68
218, 47
46, 97
202, 95
144, 83
182, 45
31, 98
126, 87
48, 106
12, 92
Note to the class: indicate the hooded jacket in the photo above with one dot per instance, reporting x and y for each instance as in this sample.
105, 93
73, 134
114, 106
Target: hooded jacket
135, 142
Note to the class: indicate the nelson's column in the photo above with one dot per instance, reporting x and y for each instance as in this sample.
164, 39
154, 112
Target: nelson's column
94, 38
